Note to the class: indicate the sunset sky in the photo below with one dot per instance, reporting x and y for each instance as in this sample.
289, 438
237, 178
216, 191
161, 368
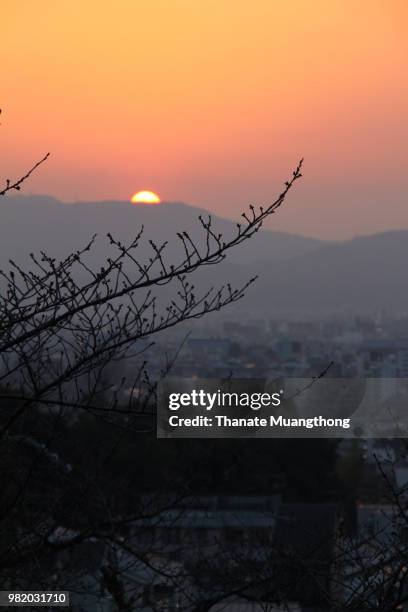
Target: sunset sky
213, 102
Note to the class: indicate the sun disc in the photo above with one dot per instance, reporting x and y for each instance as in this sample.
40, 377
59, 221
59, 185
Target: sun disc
145, 197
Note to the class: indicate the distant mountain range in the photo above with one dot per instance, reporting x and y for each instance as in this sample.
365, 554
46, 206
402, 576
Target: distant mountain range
297, 274
41, 222
362, 275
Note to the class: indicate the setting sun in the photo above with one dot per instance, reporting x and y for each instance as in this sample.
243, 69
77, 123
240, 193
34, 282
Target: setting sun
145, 197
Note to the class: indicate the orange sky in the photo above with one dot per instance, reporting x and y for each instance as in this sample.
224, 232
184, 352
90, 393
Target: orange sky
213, 102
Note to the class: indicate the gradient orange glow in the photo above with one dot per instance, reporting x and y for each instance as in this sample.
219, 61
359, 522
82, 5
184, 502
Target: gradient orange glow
145, 197
213, 102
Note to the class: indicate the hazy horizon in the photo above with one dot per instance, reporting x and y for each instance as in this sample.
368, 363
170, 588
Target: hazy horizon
268, 225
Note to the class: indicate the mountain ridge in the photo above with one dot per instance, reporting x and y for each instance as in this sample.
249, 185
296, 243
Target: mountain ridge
296, 274
123, 219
